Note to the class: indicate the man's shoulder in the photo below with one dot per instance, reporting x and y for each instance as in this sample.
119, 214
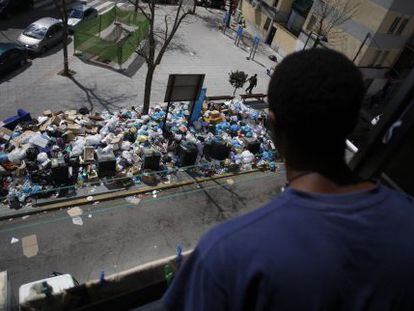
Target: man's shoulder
237, 227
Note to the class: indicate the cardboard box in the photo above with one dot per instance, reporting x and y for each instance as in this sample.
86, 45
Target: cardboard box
71, 117
56, 120
45, 125
96, 118
5, 135
93, 130
69, 136
75, 128
23, 138
47, 113
89, 153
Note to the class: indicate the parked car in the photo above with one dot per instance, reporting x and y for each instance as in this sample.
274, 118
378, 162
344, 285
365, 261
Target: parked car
11, 6
80, 13
42, 34
214, 4
11, 56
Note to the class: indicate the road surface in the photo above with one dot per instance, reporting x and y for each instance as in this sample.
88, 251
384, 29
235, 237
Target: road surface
117, 235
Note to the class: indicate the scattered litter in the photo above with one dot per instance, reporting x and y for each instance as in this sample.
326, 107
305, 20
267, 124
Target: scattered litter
96, 203
30, 246
89, 198
230, 181
77, 220
25, 216
75, 211
90, 216
155, 246
133, 200
14, 240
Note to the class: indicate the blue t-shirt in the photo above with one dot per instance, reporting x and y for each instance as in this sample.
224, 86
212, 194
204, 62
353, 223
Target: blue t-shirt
305, 251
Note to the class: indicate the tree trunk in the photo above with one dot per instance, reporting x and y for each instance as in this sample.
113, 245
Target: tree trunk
65, 40
148, 85
234, 92
136, 6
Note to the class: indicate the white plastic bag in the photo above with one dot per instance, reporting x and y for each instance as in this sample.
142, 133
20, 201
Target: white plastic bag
17, 155
247, 157
93, 140
77, 148
42, 157
126, 145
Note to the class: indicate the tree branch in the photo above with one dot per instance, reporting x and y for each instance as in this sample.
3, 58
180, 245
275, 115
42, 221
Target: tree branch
171, 35
166, 28
144, 13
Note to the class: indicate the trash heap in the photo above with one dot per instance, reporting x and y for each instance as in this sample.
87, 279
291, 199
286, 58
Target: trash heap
76, 147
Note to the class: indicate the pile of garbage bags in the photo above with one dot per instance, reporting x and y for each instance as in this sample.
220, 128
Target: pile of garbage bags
76, 147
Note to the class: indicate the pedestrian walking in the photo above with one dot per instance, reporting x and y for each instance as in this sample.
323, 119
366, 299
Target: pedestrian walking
252, 83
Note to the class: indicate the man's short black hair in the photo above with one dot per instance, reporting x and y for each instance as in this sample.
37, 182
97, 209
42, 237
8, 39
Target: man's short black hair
316, 96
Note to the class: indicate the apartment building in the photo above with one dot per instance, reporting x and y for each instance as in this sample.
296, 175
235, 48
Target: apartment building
378, 35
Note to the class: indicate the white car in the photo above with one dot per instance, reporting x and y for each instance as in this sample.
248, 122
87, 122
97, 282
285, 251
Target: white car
80, 13
41, 35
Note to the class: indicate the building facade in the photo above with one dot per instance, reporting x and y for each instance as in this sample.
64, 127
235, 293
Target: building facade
378, 35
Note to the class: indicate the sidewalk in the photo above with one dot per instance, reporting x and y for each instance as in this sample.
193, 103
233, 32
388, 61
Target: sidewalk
198, 47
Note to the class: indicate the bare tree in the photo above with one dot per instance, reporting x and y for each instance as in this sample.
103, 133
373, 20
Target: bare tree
135, 3
330, 14
63, 13
172, 22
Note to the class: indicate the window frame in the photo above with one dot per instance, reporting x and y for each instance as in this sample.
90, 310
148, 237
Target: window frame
267, 22
382, 58
376, 57
394, 25
403, 24
313, 19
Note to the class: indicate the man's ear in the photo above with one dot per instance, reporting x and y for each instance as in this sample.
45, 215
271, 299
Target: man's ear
277, 134
272, 119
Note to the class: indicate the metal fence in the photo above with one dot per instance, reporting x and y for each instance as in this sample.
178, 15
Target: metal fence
92, 37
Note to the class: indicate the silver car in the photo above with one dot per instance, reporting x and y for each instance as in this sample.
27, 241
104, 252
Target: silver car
42, 34
80, 13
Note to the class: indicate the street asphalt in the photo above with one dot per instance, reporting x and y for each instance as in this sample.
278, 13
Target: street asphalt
198, 47
117, 235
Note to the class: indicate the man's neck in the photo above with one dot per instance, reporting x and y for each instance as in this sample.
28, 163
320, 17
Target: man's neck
309, 181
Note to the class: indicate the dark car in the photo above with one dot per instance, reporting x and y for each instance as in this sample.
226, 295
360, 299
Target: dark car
214, 4
7, 7
79, 14
11, 57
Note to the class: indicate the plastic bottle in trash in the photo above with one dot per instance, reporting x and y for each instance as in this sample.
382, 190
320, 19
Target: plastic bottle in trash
80, 180
3, 157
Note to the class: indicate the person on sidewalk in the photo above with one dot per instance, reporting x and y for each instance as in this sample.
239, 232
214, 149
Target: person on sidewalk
252, 83
330, 240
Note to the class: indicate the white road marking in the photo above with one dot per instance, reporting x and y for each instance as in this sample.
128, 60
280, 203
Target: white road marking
104, 5
94, 2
